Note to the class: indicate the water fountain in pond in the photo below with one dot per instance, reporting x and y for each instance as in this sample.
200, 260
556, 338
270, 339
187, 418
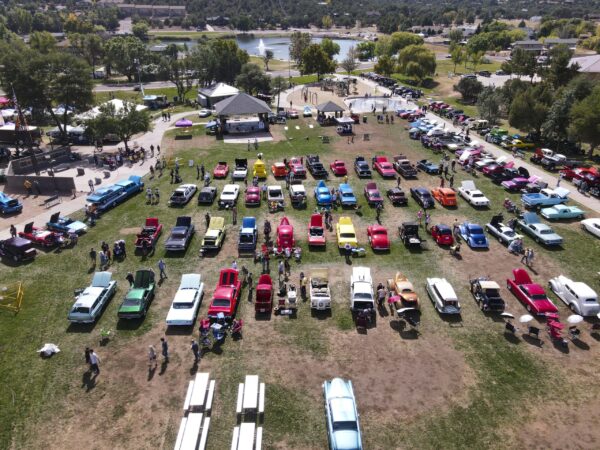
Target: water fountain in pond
261, 47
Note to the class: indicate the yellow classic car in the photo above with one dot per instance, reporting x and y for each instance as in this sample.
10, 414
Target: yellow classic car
400, 287
345, 233
260, 169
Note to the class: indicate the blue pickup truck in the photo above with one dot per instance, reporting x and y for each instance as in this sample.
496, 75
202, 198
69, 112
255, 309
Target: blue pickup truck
9, 205
546, 197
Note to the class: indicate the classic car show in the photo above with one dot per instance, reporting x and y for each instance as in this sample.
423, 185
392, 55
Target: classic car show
310, 249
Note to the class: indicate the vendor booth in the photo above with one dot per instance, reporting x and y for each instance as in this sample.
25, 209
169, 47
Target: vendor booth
242, 114
344, 125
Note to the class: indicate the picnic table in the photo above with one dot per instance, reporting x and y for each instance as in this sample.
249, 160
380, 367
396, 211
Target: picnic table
251, 396
193, 429
247, 437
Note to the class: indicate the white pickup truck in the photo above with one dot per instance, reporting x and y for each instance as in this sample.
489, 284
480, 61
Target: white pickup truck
361, 290
320, 295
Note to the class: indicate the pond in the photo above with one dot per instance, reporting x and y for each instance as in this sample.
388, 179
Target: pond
256, 46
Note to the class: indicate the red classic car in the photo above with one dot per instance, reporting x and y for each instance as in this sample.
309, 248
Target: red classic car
442, 234
221, 170
372, 194
264, 294
150, 233
316, 231
338, 168
384, 167
39, 236
285, 235
577, 173
278, 169
226, 295
252, 197
491, 169
296, 167
378, 237
531, 294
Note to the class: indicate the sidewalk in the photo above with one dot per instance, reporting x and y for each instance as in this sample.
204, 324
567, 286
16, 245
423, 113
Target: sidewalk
66, 208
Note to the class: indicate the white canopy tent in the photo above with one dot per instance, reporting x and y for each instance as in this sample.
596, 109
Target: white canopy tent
118, 104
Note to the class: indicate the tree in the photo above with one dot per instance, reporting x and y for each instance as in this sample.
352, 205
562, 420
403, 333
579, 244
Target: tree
417, 62
268, 56
529, 110
559, 72
469, 88
42, 41
218, 60
385, 65
402, 39
179, 72
252, 79
366, 50
298, 43
124, 123
278, 85
43, 81
140, 30
350, 63
523, 63
19, 20
455, 35
585, 120
458, 54
476, 59
327, 22
489, 104
315, 60
330, 47
88, 46
125, 54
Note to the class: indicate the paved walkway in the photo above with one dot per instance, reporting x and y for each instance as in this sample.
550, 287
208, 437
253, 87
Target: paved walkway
153, 137
587, 201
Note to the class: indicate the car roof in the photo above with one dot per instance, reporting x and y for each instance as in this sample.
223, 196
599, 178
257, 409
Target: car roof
101, 279
190, 280
489, 285
444, 288
361, 274
468, 185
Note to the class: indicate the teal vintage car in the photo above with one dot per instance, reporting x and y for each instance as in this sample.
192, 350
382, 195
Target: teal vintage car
558, 212
138, 298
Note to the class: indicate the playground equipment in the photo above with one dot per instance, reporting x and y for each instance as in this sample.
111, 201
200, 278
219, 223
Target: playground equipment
11, 296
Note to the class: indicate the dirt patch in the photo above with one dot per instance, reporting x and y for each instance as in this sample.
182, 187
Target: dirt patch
128, 231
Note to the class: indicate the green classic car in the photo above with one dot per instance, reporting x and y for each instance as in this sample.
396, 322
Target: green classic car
139, 296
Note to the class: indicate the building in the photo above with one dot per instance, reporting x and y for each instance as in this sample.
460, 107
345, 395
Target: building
530, 46
130, 9
208, 96
550, 43
587, 64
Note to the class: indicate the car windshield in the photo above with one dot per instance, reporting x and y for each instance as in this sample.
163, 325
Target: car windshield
178, 235
183, 305
275, 193
546, 232
476, 230
492, 292
177, 194
476, 194
363, 295
425, 195
245, 238
228, 192
348, 235
539, 297
509, 233
380, 232
223, 302
347, 194
131, 301
80, 309
445, 231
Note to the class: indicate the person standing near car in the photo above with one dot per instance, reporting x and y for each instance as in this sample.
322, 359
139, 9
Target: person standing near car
94, 361
129, 278
152, 362
13, 231
164, 349
195, 351
93, 257
162, 268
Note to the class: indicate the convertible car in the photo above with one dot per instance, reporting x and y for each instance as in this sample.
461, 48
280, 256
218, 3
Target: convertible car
90, 302
138, 298
504, 233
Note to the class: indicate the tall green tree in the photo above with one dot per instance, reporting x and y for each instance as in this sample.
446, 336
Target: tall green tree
298, 43
455, 35
267, 57
385, 65
315, 60
124, 123
417, 62
585, 120
366, 50
88, 46
350, 63
458, 54
469, 88
523, 63
529, 110
402, 39
278, 85
229, 59
180, 72
42, 41
559, 71
489, 104
253, 80
140, 30
124, 54
330, 47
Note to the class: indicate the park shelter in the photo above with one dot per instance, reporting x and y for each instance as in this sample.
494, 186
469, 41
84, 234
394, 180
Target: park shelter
209, 96
118, 104
325, 111
242, 114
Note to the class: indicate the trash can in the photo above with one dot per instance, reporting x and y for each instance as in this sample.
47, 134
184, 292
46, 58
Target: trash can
364, 119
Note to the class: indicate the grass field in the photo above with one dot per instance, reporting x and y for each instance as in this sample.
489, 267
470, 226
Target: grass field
459, 385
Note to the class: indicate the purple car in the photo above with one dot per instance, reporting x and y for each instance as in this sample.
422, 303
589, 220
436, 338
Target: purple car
516, 184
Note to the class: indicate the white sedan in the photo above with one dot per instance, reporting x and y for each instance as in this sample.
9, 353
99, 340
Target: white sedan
442, 296
576, 295
592, 225
229, 195
204, 113
471, 194
182, 194
187, 301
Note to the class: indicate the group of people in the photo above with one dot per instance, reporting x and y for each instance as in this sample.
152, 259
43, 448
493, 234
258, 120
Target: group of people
106, 255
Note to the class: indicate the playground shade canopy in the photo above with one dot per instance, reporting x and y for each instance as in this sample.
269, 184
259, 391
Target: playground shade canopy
330, 106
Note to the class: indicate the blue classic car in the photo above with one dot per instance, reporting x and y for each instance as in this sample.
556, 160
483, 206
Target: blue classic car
343, 428
473, 235
131, 185
558, 212
347, 197
322, 194
428, 167
9, 205
423, 197
65, 224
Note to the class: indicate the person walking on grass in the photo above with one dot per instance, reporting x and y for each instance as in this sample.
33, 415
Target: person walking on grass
162, 267
129, 278
93, 257
398, 181
420, 216
380, 295
207, 219
88, 352
427, 220
525, 256
164, 349
152, 359
94, 362
195, 351
281, 270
